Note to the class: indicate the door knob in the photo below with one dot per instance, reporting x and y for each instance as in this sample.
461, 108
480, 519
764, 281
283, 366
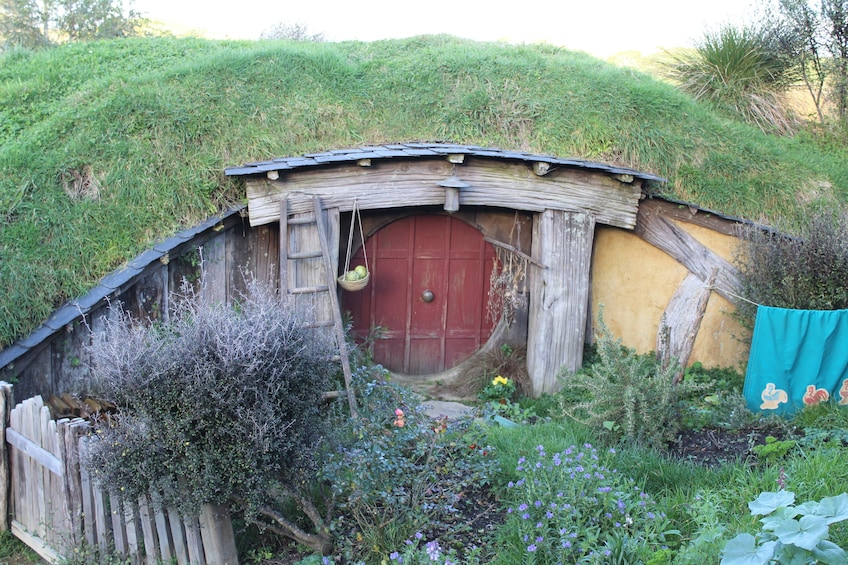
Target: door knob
427, 296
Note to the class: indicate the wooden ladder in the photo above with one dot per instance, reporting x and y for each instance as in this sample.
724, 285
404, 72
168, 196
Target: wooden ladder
316, 219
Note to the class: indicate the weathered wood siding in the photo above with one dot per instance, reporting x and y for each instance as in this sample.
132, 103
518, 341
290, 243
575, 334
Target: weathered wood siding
229, 256
559, 296
397, 184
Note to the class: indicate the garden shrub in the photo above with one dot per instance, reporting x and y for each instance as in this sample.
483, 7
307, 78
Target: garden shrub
397, 471
628, 396
220, 404
570, 507
807, 270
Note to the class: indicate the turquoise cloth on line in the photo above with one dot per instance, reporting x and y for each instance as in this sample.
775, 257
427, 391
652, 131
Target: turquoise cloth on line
798, 357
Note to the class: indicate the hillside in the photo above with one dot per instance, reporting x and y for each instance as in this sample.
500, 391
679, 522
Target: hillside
106, 148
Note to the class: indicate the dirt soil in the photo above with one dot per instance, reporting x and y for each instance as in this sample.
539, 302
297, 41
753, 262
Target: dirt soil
713, 447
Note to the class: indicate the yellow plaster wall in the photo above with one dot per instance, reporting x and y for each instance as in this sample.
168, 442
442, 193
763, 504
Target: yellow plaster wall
634, 282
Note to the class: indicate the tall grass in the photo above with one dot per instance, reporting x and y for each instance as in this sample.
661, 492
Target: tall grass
152, 123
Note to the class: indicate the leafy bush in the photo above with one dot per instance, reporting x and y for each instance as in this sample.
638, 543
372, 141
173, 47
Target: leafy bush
572, 508
221, 404
809, 271
790, 534
631, 396
398, 471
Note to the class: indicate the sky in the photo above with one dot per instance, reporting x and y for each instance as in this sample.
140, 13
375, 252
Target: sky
600, 27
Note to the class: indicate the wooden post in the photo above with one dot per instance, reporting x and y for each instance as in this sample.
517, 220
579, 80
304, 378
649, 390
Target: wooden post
559, 296
216, 529
681, 321
6, 404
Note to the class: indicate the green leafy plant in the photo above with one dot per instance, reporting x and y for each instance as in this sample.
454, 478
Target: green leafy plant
631, 397
805, 269
773, 449
572, 507
417, 552
499, 389
790, 534
219, 405
398, 471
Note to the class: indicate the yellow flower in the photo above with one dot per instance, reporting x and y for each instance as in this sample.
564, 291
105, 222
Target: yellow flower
499, 380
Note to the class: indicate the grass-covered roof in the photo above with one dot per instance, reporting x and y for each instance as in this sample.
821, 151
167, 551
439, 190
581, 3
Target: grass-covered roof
108, 147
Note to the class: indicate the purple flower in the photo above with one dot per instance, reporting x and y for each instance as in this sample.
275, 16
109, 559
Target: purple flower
531, 548
395, 556
537, 504
522, 507
433, 550
525, 516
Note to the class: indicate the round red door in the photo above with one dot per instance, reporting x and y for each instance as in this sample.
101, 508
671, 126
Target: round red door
428, 294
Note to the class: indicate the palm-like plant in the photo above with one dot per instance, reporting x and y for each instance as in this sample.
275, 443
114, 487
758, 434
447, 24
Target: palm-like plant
735, 68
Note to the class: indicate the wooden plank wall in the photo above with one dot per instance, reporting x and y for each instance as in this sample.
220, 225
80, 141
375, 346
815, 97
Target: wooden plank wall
55, 506
60, 364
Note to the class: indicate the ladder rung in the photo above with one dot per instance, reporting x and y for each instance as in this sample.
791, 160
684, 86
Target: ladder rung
301, 220
305, 255
309, 289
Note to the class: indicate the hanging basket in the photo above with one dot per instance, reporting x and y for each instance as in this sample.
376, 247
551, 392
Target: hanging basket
357, 284
353, 286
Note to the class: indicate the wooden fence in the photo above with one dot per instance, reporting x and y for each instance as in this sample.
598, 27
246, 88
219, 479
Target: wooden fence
49, 502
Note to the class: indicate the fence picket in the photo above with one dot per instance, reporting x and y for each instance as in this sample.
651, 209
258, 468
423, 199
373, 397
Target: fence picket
54, 504
148, 528
178, 536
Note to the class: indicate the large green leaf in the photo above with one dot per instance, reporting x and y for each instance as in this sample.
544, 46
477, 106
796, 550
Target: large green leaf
828, 552
774, 520
743, 550
768, 502
806, 532
833, 508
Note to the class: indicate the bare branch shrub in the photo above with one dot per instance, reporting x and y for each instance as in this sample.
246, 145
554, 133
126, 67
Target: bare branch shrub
221, 404
807, 270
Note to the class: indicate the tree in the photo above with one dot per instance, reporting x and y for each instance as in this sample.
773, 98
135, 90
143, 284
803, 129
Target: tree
25, 23
295, 32
96, 19
38, 23
814, 38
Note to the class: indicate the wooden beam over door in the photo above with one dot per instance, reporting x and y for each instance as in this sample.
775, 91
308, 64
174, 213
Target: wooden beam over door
559, 296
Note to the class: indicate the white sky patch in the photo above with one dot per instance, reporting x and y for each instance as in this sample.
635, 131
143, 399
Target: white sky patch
599, 27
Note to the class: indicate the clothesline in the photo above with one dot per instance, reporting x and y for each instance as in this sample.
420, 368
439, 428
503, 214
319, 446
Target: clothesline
724, 290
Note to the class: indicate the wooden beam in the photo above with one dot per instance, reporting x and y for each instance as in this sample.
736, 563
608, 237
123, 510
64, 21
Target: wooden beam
559, 296
691, 215
410, 184
689, 252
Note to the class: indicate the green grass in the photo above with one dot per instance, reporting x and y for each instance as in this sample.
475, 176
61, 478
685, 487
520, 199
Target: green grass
708, 506
14, 552
156, 120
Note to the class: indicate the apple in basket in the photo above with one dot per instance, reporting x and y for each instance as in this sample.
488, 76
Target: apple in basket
357, 274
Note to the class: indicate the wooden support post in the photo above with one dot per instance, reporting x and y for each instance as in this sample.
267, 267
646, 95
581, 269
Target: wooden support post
681, 321
559, 296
